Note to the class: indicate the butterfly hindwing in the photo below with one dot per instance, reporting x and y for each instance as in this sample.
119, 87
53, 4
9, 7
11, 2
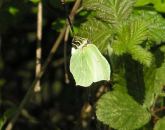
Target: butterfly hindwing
99, 65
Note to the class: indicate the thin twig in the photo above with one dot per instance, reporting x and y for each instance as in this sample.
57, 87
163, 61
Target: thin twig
50, 56
37, 88
155, 116
159, 109
65, 55
67, 15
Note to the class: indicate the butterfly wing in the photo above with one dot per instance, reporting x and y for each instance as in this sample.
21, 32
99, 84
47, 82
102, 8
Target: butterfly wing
97, 63
88, 65
78, 68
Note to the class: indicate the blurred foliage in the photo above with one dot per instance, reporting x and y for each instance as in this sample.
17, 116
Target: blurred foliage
59, 105
160, 125
159, 5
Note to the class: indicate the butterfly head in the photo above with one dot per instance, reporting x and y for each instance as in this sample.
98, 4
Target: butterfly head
79, 42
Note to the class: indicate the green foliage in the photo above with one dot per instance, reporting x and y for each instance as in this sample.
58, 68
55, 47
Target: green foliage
13, 10
35, 1
2, 122
157, 29
160, 124
7, 114
159, 5
120, 111
113, 11
119, 81
154, 81
134, 37
156, 25
142, 2
93, 29
130, 36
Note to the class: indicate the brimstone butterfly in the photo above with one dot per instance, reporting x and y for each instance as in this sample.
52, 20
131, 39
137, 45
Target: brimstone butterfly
87, 64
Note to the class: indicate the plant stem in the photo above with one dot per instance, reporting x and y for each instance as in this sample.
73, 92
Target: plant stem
65, 55
37, 87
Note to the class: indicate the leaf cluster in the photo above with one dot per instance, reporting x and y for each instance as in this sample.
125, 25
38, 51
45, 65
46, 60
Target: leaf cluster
133, 39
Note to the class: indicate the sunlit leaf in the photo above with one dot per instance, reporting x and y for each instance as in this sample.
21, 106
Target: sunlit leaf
98, 32
130, 35
142, 2
156, 27
113, 11
159, 5
118, 110
154, 81
160, 124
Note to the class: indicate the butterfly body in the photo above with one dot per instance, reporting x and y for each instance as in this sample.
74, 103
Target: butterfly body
78, 43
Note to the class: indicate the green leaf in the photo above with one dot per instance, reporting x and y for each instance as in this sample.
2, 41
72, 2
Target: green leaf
142, 55
98, 32
156, 28
88, 65
159, 5
13, 10
120, 111
35, 1
160, 124
2, 122
154, 81
162, 49
119, 82
142, 2
133, 32
113, 11
130, 35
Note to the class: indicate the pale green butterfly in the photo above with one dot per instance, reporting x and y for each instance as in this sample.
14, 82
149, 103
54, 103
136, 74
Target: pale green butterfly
87, 64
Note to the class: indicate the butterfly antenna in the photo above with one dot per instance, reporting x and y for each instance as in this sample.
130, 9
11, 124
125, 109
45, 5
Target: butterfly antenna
67, 15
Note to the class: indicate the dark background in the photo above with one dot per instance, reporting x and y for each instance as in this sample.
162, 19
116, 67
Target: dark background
59, 106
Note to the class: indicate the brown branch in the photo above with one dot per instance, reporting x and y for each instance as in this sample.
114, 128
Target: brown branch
49, 58
65, 55
159, 109
155, 116
37, 87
